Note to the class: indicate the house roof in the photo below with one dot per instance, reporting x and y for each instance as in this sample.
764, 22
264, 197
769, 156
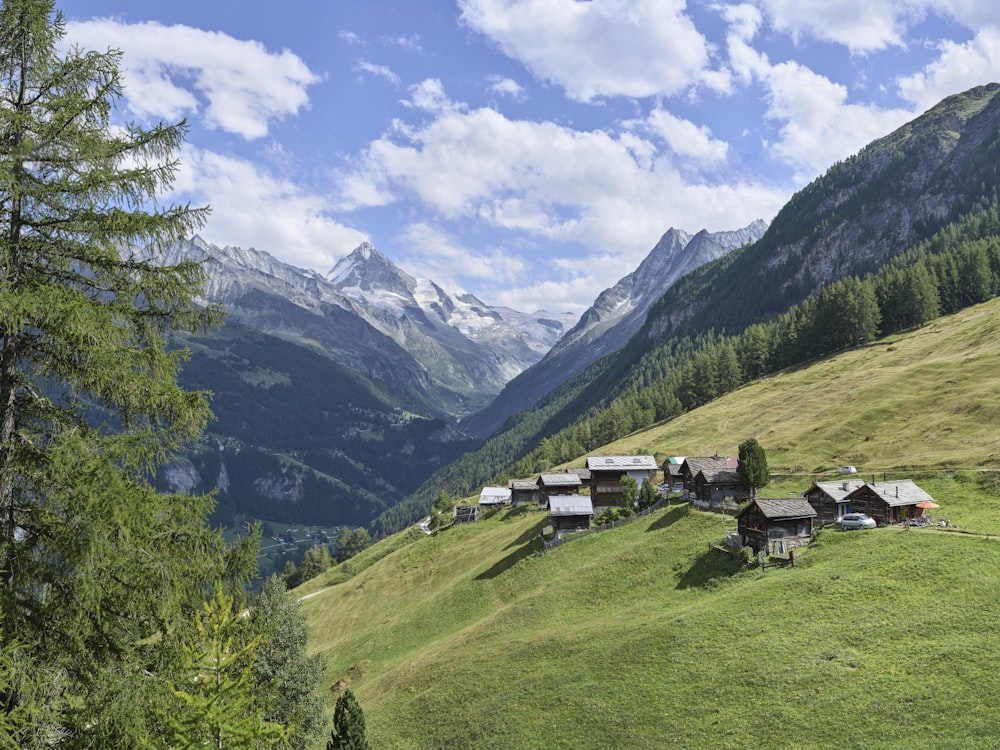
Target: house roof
710, 463
563, 479
837, 491
571, 505
523, 484
718, 476
783, 507
494, 495
621, 463
896, 493
581, 472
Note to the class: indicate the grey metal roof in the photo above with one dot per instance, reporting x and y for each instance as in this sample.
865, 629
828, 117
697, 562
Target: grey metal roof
494, 495
523, 484
898, 492
560, 480
784, 507
570, 505
624, 463
837, 491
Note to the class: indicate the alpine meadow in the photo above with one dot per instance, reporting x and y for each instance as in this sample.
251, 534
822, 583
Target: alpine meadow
734, 487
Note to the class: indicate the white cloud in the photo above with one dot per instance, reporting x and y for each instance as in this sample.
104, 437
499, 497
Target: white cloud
506, 87
254, 208
379, 71
959, 67
685, 138
860, 25
350, 38
175, 71
594, 188
435, 254
599, 48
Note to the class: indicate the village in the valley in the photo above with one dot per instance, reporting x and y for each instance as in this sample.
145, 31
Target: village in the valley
575, 497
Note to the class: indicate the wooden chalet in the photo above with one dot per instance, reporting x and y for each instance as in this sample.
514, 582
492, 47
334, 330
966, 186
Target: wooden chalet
889, 501
606, 474
693, 464
570, 513
583, 473
523, 492
713, 487
776, 525
555, 485
494, 497
829, 499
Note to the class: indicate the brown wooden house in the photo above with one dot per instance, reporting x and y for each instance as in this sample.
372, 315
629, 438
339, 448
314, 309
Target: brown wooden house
829, 499
555, 485
694, 464
713, 487
570, 513
889, 502
606, 474
672, 476
776, 525
523, 492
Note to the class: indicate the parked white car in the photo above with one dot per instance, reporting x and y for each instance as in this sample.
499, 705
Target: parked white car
848, 470
857, 521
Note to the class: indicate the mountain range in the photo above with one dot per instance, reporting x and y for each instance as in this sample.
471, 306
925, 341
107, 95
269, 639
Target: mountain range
927, 187
617, 313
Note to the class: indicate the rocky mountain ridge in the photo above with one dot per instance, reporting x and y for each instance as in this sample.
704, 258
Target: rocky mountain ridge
613, 318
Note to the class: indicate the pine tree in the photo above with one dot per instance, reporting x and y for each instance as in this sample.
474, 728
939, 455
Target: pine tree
93, 562
752, 470
348, 725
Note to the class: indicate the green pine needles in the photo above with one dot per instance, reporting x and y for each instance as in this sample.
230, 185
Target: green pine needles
96, 569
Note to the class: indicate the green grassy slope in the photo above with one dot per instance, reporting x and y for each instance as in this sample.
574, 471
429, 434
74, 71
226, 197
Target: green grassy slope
644, 637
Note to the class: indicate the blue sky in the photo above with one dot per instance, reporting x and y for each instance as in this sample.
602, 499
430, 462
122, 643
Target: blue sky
531, 152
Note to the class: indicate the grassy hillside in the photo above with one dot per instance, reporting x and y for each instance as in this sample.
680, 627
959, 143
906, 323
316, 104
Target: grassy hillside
644, 637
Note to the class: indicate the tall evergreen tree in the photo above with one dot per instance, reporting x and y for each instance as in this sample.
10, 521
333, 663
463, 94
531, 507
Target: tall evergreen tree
753, 470
93, 562
348, 725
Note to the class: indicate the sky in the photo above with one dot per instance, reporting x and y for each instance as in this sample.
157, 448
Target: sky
531, 152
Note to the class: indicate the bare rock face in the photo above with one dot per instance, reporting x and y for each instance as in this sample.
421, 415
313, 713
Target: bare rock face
181, 477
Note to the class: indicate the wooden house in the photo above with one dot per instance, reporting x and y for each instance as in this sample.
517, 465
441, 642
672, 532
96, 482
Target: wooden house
713, 487
776, 525
829, 499
523, 492
889, 502
583, 473
555, 485
494, 497
570, 513
606, 474
693, 464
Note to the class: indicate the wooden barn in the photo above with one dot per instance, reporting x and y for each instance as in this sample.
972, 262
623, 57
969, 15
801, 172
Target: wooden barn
829, 499
606, 474
776, 525
713, 487
570, 513
555, 485
523, 492
888, 502
693, 464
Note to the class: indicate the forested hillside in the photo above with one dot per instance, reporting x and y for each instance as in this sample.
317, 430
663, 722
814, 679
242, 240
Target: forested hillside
895, 236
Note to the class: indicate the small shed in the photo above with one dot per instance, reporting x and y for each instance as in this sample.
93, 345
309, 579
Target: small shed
523, 492
776, 525
829, 499
570, 513
465, 514
893, 501
493, 497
